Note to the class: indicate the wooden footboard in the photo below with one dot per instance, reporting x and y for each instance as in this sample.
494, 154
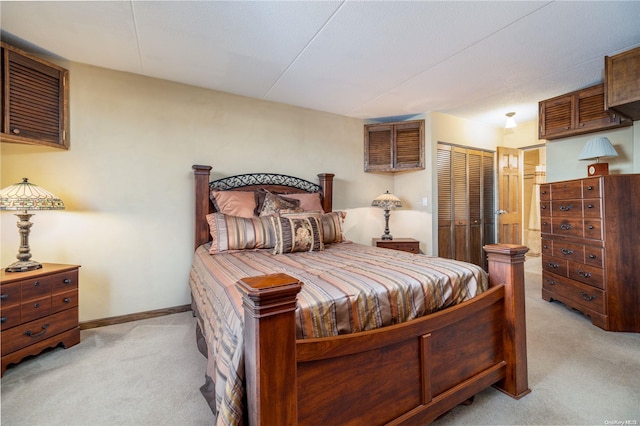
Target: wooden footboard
409, 373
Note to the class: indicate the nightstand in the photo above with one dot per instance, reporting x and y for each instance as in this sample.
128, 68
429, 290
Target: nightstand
39, 310
402, 244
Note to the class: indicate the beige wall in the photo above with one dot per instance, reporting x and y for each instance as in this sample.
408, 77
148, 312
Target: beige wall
127, 181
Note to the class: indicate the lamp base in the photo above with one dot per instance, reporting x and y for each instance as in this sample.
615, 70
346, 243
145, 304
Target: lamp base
23, 266
386, 237
598, 169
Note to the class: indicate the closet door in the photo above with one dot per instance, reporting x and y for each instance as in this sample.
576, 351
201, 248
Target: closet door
465, 203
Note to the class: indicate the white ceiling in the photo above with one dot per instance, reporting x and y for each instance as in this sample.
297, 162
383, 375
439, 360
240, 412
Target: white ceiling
367, 59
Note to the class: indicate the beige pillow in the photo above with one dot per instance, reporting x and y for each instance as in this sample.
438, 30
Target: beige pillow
308, 201
234, 203
239, 233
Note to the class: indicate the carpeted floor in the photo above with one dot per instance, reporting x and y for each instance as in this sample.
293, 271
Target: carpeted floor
149, 373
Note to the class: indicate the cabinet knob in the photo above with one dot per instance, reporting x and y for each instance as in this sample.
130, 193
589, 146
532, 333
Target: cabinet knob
67, 280
36, 305
66, 300
36, 284
4, 296
15, 131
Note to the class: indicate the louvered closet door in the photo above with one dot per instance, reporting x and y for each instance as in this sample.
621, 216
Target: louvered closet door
465, 203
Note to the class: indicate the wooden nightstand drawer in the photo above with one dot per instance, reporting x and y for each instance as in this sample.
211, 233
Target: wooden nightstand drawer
574, 294
403, 244
35, 308
32, 332
35, 288
10, 294
64, 281
62, 301
10, 316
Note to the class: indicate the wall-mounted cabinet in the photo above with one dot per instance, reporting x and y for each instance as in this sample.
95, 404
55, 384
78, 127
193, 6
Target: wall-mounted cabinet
622, 83
577, 113
392, 147
35, 100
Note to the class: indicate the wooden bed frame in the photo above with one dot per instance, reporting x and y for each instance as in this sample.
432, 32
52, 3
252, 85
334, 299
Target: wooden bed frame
410, 373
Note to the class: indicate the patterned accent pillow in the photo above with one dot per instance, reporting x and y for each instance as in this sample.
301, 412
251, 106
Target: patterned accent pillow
234, 203
332, 227
293, 234
274, 204
239, 233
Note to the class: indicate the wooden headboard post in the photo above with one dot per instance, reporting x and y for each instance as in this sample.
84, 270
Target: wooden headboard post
201, 176
326, 182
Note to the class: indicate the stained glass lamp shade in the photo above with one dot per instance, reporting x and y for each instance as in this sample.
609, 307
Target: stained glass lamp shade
387, 202
26, 196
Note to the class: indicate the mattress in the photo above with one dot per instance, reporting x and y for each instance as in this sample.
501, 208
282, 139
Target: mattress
346, 288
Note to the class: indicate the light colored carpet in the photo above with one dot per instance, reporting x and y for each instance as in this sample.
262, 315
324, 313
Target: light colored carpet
149, 373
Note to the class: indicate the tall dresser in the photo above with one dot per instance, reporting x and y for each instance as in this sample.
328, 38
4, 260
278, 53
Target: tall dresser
591, 248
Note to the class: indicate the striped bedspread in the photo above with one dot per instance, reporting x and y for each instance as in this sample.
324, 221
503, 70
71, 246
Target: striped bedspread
346, 288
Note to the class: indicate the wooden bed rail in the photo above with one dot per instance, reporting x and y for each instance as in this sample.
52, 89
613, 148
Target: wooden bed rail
272, 369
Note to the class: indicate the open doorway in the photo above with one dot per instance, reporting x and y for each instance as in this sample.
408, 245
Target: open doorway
534, 173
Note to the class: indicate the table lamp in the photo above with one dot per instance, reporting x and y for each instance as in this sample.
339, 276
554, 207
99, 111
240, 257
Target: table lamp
597, 148
387, 202
26, 196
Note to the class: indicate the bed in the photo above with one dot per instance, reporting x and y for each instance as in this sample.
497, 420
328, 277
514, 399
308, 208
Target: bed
280, 354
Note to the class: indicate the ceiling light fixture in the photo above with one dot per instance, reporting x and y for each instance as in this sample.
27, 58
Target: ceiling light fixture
511, 122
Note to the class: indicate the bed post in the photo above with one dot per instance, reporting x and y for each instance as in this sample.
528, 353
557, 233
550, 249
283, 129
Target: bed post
270, 348
201, 176
326, 183
506, 266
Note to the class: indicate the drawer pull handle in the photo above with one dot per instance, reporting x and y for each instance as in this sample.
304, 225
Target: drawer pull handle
543, 207
551, 282
66, 300
589, 206
4, 296
586, 297
545, 246
591, 226
3, 320
584, 274
566, 208
36, 305
29, 333
36, 284
566, 251
544, 192
589, 188
566, 227
553, 265
592, 256
67, 281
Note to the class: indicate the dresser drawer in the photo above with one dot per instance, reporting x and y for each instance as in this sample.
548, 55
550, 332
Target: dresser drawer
62, 301
592, 208
10, 316
38, 287
568, 251
594, 256
567, 208
29, 333
566, 190
586, 274
567, 227
35, 308
545, 192
545, 225
10, 294
574, 293
591, 188
555, 265
593, 229
547, 247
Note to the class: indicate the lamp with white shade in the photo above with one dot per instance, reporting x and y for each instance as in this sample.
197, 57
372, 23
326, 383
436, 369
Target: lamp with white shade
595, 149
24, 196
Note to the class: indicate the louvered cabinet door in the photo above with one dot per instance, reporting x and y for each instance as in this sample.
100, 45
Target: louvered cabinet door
577, 113
445, 203
392, 147
35, 100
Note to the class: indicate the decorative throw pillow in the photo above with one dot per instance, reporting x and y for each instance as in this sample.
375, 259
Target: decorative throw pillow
239, 233
332, 227
308, 201
234, 203
296, 234
274, 204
